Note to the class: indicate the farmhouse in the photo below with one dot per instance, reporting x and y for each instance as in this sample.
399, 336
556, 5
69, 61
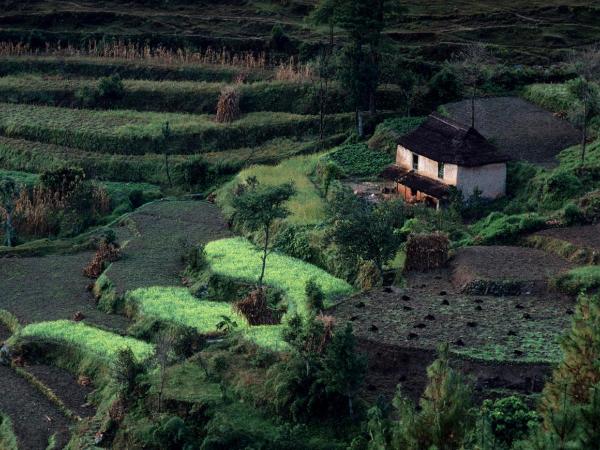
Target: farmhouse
442, 153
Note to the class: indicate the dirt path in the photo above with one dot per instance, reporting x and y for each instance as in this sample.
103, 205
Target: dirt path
50, 288
157, 236
34, 417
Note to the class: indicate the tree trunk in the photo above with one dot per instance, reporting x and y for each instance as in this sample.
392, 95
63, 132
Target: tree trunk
350, 407
473, 107
167, 169
264, 258
372, 105
321, 111
584, 132
8, 229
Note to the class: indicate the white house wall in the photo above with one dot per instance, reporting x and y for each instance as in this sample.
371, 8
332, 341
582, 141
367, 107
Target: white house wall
427, 167
489, 179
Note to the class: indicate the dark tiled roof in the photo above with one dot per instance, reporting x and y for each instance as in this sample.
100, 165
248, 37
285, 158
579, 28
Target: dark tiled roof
415, 181
444, 140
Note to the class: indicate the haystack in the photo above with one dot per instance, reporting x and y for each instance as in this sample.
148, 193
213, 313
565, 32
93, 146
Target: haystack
426, 252
228, 107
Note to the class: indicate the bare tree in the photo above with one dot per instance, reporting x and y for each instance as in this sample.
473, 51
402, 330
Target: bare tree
8, 194
472, 65
163, 355
585, 88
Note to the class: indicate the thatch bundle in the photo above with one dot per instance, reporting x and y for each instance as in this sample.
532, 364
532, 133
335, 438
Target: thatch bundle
255, 309
426, 251
228, 107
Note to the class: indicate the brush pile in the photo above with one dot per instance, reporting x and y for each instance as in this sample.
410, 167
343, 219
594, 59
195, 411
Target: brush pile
106, 253
255, 309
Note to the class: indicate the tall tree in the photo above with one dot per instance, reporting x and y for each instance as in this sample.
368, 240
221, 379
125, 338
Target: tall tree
258, 207
363, 23
472, 66
8, 195
587, 92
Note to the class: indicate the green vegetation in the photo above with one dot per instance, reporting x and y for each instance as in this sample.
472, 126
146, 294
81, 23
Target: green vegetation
500, 228
306, 207
385, 137
178, 306
553, 97
176, 96
580, 279
357, 160
8, 441
93, 342
238, 258
135, 133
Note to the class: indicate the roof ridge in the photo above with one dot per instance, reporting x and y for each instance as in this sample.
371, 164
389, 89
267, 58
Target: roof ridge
450, 122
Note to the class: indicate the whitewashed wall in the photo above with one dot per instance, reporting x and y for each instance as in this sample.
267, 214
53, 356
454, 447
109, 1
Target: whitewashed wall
427, 167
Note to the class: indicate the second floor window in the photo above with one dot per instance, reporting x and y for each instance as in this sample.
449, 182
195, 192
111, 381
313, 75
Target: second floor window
415, 161
441, 170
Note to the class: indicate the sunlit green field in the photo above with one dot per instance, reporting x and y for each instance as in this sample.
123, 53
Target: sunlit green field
177, 305
103, 345
238, 258
306, 207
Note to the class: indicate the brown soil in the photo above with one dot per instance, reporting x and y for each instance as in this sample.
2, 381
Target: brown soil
527, 268
520, 129
155, 238
65, 386
390, 366
33, 416
52, 287
582, 236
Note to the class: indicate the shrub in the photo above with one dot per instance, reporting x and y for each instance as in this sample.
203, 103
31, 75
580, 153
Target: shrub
368, 276
589, 205
385, 138
314, 296
294, 241
580, 279
509, 419
573, 215
111, 88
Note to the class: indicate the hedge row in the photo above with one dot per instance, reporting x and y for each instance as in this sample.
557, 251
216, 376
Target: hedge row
182, 96
136, 133
141, 70
27, 156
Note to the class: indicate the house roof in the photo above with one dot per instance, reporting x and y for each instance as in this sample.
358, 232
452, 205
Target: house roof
413, 180
444, 140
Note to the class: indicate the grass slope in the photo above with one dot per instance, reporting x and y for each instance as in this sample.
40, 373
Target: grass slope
177, 305
307, 206
132, 132
238, 258
101, 345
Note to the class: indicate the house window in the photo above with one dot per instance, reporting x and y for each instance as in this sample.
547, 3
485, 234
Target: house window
415, 161
441, 170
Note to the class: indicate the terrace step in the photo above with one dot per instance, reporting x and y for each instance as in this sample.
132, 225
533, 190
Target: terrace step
35, 418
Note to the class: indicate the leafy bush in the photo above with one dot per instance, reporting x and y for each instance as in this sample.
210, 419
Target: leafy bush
368, 276
509, 419
573, 215
8, 440
314, 296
